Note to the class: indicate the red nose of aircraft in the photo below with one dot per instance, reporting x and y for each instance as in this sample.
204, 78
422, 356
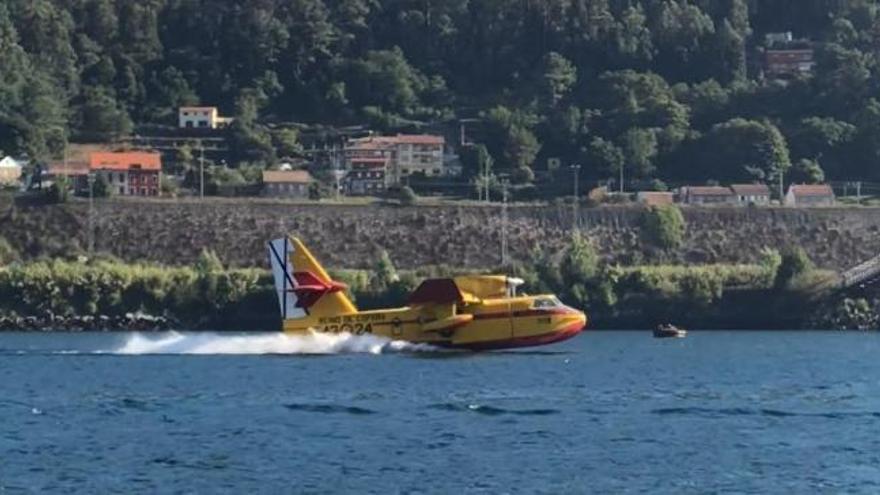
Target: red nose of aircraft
573, 323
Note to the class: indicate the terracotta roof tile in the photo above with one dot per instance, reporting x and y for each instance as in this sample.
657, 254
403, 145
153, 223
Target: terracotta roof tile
751, 189
811, 190
419, 139
287, 176
125, 161
709, 191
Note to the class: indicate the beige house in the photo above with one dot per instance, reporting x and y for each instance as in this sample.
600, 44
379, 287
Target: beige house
394, 158
809, 195
418, 154
286, 183
201, 118
655, 198
707, 195
758, 194
10, 171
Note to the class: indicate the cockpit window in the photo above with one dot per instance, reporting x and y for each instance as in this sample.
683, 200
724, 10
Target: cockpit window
546, 303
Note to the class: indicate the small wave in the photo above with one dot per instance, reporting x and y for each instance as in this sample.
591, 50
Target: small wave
329, 409
776, 413
492, 410
274, 343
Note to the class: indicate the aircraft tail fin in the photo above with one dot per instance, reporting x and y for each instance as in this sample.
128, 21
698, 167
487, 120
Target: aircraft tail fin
304, 287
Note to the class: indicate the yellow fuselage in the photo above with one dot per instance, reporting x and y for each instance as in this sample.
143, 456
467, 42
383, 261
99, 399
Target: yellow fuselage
486, 324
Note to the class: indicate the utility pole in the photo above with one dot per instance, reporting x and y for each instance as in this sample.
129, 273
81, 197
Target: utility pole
486, 180
859, 190
201, 169
781, 187
91, 237
576, 206
504, 255
621, 178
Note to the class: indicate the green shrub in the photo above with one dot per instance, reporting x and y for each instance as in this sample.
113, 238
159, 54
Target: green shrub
315, 192
407, 196
8, 254
168, 187
198, 300
59, 191
580, 262
794, 263
663, 226
770, 260
101, 188
208, 262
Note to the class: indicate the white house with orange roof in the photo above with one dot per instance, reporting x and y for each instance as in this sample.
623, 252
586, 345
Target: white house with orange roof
201, 118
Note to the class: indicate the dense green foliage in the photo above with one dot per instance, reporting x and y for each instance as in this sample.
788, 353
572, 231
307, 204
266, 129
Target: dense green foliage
59, 191
848, 314
197, 298
8, 254
653, 88
663, 226
795, 263
208, 296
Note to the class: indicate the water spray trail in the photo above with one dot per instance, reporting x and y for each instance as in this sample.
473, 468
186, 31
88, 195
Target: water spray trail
275, 343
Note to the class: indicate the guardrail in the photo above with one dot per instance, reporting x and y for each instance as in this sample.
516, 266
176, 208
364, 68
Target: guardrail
861, 273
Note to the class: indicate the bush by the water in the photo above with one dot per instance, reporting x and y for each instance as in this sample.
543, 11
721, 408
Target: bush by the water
208, 296
194, 298
794, 264
847, 314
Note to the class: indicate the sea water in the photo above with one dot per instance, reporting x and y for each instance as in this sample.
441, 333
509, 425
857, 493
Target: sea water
607, 412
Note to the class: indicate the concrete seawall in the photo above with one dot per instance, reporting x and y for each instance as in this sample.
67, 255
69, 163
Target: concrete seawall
174, 232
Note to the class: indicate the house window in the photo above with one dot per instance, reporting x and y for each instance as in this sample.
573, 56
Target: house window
203, 123
121, 190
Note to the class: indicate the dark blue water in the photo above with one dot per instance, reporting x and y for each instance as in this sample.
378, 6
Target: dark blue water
603, 413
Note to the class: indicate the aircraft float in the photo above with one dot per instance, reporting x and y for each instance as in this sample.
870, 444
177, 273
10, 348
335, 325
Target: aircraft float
477, 312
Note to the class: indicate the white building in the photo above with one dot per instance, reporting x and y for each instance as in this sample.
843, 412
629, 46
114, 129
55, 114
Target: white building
201, 118
403, 156
418, 154
10, 171
809, 195
746, 194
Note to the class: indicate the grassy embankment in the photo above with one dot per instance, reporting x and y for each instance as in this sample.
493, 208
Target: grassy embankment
207, 296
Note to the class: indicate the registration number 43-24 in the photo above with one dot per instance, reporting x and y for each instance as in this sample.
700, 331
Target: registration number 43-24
353, 328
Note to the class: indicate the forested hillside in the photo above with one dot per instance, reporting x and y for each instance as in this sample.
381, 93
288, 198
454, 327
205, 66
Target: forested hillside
663, 88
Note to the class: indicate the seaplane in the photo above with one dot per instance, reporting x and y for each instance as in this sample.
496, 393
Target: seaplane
476, 312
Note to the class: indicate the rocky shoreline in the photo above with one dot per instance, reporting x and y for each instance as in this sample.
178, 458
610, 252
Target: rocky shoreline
130, 322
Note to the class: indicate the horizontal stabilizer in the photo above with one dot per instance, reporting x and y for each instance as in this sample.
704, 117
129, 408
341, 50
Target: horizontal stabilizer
309, 288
